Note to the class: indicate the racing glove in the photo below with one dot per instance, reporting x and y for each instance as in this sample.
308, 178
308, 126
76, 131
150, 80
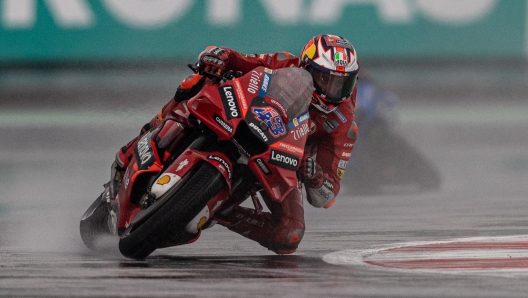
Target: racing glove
213, 59
311, 173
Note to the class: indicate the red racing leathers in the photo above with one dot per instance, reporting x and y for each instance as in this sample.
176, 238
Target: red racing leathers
330, 142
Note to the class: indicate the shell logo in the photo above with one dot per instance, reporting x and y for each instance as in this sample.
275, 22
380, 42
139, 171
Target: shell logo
202, 222
163, 180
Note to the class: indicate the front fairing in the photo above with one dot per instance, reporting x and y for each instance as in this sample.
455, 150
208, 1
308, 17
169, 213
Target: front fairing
150, 153
272, 105
145, 165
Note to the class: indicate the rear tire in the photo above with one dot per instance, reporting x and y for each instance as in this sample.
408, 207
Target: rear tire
139, 241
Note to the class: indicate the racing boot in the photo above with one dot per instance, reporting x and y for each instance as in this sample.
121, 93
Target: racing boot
109, 195
112, 187
280, 231
281, 237
118, 168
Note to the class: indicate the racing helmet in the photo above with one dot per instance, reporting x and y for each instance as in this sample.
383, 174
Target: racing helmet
333, 64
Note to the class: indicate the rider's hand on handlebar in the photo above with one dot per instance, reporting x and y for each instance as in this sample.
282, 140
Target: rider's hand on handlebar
312, 173
213, 60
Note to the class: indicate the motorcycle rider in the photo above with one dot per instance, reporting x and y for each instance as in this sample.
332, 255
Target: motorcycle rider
333, 64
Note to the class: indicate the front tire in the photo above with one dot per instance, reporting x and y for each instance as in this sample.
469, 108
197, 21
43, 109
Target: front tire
139, 241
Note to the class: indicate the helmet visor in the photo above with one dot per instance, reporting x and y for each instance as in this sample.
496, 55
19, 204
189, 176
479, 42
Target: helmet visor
333, 87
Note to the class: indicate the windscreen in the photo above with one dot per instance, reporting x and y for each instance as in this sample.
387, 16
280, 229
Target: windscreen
293, 88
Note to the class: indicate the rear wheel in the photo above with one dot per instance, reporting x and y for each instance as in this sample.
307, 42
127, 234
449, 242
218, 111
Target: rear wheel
139, 241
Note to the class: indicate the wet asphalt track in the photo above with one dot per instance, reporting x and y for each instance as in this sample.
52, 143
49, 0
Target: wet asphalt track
57, 144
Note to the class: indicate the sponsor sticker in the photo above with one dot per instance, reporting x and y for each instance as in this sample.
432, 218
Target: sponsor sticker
300, 131
223, 124
182, 164
272, 118
262, 166
325, 193
340, 59
144, 152
230, 102
222, 162
291, 148
328, 184
342, 164
284, 160
240, 94
265, 83
259, 131
279, 106
254, 82
163, 180
340, 173
340, 116
304, 117
299, 120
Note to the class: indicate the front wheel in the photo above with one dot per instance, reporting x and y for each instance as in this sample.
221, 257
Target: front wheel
139, 241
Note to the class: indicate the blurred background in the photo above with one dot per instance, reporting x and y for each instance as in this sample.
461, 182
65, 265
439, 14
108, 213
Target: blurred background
133, 31
442, 103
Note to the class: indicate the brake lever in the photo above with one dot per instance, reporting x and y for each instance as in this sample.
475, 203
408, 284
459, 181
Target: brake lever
195, 68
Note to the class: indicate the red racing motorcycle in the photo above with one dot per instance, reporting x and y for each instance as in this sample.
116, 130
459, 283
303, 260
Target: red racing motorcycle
242, 135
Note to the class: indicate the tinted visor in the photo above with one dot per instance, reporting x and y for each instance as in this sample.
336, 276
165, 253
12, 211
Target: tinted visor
334, 88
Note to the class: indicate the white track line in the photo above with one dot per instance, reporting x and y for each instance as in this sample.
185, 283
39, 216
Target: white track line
477, 255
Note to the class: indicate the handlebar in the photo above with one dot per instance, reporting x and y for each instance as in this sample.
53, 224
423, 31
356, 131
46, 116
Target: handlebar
217, 77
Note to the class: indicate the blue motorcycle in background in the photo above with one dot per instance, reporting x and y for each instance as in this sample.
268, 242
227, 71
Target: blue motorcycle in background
383, 160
